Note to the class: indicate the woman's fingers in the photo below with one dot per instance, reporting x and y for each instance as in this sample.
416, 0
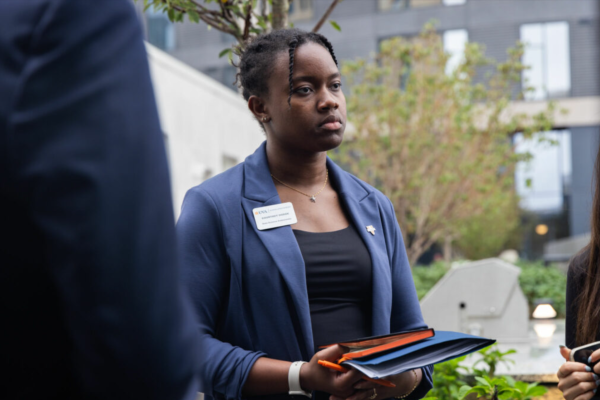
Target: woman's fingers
585, 396
577, 384
575, 378
594, 357
565, 352
348, 380
362, 385
569, 367
332, 353
367, 394
579, 389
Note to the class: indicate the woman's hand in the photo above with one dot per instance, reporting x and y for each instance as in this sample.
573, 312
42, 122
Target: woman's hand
366, 390
576, 380
316, 377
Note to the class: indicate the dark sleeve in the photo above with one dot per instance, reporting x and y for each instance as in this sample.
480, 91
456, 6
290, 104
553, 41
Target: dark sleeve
88, 159
575, 278
406, 311
206, 272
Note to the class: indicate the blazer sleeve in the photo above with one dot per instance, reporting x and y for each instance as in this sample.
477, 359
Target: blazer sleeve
406, 311
88, 161
206, 273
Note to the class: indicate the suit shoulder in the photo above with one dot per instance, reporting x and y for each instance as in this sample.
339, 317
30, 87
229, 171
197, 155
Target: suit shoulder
223, 185
382, 198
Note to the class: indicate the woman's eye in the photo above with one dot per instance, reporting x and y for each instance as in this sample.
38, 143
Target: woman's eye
303, 90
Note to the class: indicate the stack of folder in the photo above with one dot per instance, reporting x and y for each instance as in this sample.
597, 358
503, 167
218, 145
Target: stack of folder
381, 356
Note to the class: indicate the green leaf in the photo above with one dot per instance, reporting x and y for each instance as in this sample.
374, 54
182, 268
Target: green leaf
335, 25
193, 16
505, 394
463, 391
171, 15
483, 381
522, 386
223, 52
528, 182
536, 391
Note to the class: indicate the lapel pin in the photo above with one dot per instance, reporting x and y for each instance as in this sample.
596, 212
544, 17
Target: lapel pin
371, 230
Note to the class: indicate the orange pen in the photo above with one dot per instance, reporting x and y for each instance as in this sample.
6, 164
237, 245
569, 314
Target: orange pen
339, 368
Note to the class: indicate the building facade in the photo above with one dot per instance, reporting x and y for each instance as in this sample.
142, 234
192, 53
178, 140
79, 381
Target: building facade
563, 50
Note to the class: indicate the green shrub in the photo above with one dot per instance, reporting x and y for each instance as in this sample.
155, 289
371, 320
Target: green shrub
538, 281
451, 381
426, 277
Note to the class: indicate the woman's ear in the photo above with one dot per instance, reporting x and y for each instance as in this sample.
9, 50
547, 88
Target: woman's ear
257, 106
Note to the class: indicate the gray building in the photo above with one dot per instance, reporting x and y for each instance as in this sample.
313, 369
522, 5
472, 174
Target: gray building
563, 49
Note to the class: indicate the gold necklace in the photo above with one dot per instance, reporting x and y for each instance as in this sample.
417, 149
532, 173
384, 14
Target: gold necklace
312, 198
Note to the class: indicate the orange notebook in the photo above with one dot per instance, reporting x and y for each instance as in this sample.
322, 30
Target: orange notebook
378, 344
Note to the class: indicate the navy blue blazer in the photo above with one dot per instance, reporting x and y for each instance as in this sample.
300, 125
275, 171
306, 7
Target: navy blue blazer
249, 286
90, 298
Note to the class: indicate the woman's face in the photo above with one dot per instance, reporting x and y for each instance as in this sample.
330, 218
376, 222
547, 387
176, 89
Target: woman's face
316, 120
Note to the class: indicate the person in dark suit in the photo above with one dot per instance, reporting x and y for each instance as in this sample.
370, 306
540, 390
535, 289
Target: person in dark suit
90, 295
582, 326
266, 299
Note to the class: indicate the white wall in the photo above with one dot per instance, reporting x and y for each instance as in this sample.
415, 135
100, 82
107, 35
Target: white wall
206, 125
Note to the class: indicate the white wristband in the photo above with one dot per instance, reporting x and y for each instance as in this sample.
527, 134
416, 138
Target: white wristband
294, 380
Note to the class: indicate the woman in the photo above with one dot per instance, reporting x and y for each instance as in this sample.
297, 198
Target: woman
577, 380
267, 298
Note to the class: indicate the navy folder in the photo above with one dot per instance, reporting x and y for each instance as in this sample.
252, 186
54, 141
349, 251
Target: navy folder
444, 346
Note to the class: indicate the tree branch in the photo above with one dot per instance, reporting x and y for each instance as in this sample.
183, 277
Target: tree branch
247, 21
280, 14
326, 15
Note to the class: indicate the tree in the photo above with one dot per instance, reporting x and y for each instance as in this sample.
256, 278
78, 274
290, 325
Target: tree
435, 141
241, 19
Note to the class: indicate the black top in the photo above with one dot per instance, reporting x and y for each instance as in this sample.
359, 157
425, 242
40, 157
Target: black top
575, 280
339, 282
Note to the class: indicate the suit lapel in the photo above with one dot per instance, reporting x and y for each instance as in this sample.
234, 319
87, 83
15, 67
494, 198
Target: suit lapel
363, 210
259, 191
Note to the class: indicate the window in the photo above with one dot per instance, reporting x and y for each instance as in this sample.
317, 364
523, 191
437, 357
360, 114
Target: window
454, 43
544, 181
300, 9
385, 5
547, 54
161, 32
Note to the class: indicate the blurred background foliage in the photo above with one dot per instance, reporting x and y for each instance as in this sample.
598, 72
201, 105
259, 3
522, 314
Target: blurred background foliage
435, 138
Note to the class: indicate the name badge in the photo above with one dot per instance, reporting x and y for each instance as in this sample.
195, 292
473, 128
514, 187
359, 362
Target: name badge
274, 216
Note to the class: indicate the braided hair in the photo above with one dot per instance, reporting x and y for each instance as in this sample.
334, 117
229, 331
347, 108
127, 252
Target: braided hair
257, 60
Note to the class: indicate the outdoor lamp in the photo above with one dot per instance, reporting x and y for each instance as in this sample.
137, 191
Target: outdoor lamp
544, 309
544, 314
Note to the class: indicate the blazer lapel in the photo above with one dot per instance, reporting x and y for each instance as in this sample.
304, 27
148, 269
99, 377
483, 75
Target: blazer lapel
364, 211
259, 191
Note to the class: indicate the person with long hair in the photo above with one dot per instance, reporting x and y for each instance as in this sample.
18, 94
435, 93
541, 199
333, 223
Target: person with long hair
267, 299
576, 380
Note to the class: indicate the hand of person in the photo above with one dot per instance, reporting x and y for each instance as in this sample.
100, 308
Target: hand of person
367, 390
316, 377
576, 380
